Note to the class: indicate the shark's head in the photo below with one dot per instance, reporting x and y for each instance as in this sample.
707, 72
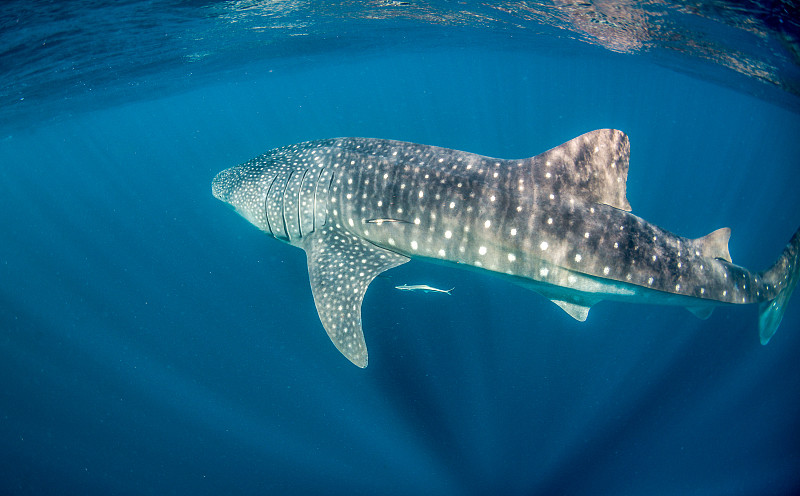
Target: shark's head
283, 192
220, 186
245, 188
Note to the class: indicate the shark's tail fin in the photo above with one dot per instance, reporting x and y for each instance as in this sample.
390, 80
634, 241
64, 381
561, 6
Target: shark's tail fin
783, 277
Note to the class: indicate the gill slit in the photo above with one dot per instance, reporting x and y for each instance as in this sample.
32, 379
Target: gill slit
314, 204
299, 204
328, 196
266, 205
283, 206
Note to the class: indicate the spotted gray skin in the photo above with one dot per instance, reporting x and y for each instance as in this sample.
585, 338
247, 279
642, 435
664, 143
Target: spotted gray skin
557, 223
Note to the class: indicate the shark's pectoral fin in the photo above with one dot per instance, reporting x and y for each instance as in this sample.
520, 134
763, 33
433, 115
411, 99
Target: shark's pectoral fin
715, 244
701, 312
340, 267
576, 311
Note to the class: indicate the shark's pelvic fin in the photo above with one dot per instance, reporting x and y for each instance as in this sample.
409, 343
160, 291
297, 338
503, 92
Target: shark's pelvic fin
340, 267
577, 312
715, 244
783, 275
701, 312
593, 166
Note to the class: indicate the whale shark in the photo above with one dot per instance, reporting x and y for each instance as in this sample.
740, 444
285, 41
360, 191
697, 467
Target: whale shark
558, 223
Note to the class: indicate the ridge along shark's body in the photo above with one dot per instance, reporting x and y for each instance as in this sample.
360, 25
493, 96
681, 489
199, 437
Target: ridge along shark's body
557, 223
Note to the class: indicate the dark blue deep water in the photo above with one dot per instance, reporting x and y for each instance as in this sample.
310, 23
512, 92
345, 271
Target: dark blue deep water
153, 342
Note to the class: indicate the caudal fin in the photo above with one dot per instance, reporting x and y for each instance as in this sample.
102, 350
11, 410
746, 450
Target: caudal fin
783, 277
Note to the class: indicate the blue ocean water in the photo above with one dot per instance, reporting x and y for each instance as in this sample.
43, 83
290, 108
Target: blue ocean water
153, 342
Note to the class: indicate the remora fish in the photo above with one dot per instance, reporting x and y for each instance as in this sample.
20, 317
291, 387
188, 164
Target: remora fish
422, 287
557, 223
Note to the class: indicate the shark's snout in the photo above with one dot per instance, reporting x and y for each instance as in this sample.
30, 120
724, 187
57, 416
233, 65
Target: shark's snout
220, 186
241, 189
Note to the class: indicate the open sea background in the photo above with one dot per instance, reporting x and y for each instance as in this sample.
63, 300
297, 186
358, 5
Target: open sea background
153, 342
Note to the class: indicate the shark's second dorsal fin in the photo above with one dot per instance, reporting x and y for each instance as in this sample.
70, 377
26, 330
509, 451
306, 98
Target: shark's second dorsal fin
593, 166
715, 244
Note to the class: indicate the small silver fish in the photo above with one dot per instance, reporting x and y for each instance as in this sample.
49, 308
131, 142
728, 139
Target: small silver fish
422, 287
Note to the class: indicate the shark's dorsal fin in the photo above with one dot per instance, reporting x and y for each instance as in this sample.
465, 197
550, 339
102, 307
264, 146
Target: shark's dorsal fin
715, 244
593, 166
340, 267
